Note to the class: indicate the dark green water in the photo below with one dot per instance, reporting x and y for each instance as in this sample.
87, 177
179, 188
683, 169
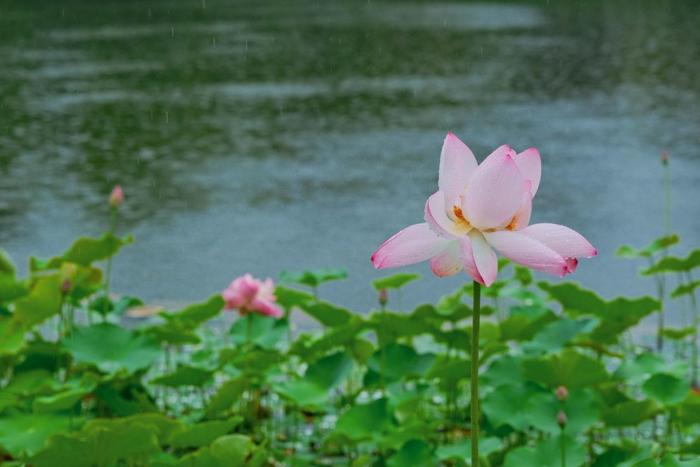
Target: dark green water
261, 136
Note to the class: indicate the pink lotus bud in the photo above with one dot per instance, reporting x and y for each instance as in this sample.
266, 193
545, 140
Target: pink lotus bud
116, 198
664, 157
383, 297
562, 393
66, 286
250, 295
561, 419
69, 271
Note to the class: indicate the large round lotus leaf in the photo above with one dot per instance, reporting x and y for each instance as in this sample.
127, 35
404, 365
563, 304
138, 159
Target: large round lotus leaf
630, 413
667, 389
313, 278
504, 406
415, 453
26, 434
202, 434
265, 331
102, 442
313, 389
548, 454
462, 449
362, 421
185, 375
399, 361
568, 368
64, 399
112, 348
395, 281
226, 451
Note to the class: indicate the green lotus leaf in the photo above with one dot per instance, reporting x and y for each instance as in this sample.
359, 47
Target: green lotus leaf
185, 375
395, 281
568, 368
202, 434
630, 413
666, 389
313, 278
629, 252
112, 348
365, 421
674, 264
548, 454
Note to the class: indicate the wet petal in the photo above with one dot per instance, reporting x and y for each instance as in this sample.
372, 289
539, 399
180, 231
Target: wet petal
457, 163
495, 191
565, 241
528, 251
449, 262
413, 244
484, 258
530, 166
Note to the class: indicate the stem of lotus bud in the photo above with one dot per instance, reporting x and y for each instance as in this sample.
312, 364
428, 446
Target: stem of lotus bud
114, 212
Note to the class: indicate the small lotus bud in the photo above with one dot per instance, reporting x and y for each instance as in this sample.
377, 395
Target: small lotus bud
116, 198
68, 275
66, 286
664, 158
562, 393
561, 419
383, 297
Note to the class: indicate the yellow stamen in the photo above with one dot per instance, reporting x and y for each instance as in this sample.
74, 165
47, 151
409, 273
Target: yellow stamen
460, 220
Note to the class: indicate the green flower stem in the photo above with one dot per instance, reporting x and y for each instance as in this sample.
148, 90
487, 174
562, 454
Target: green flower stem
660, 293
249, 329
476, 311
563, 448
108, 275
382, 355
667, 198
696, 323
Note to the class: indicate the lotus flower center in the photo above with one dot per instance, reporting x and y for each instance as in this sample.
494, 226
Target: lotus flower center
460, 220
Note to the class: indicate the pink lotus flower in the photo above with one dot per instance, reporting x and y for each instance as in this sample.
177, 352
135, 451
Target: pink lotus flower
250, 295
116, 198
481, 207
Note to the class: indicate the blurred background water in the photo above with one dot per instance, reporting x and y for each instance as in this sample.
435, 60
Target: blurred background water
269, 135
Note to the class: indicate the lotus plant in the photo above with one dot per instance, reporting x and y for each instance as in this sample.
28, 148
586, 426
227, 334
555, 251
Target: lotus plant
249, 295
479, 208
116, 197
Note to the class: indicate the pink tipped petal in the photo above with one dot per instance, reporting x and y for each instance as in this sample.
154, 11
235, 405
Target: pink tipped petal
469, 264
495, 191
232, 299
266, 307
565, 241
527, 251
413, 244
447, 263
484, 258
497, 155
530, 165
457, 163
